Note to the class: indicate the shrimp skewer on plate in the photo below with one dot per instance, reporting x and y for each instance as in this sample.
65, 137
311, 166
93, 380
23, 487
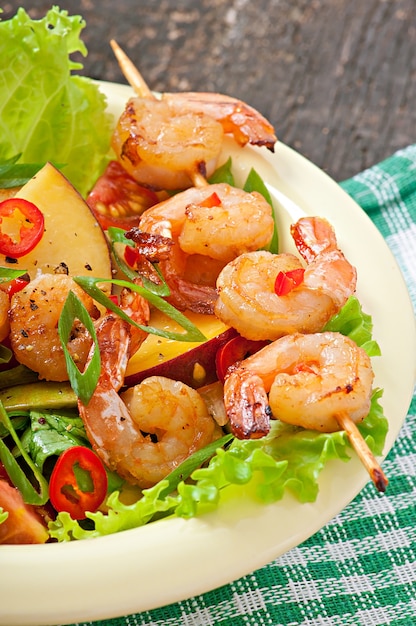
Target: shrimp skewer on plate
209, 226
321, 381
246, 286
174, 141
148, 430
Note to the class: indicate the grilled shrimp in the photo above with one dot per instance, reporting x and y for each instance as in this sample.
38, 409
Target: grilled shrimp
34, 315
163, 142
210, 226
247, 299
148, 430
306, 380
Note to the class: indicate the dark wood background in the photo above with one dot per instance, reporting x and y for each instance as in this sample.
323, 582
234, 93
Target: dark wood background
337, 78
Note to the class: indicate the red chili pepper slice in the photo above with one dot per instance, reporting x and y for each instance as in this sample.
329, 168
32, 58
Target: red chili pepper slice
236, 349
211, 201
286, 281
16, 285
78, 482
28, 227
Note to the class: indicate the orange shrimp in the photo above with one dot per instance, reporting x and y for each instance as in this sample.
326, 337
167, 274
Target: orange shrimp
247, 299
148, 430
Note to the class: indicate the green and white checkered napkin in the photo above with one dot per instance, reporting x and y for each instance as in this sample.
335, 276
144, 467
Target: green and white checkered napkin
360, 569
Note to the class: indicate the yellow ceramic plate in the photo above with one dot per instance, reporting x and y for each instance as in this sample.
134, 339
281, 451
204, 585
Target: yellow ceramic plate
175, 559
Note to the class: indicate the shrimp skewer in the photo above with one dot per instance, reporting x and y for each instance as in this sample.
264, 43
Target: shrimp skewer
174, 140
146, 431
209, 227
320, 381
246, 295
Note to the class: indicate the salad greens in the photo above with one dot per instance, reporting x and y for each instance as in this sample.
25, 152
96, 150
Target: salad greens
47, 113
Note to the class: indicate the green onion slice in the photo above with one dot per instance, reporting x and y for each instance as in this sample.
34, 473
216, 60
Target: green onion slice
14, 470
191, 334
117, 235
83, 383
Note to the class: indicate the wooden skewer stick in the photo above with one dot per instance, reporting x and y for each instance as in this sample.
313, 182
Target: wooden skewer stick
136, 80
364, 453
131, 73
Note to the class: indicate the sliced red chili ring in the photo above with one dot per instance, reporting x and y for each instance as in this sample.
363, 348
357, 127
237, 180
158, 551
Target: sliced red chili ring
28, 227
78, 482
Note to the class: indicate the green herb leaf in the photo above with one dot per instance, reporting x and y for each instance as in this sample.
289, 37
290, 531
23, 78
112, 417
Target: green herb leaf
13, 174
223, 174
83, 383
191, 334
51, 433
255, 183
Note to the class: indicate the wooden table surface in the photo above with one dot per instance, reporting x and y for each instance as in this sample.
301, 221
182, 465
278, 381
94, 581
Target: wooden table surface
337, 78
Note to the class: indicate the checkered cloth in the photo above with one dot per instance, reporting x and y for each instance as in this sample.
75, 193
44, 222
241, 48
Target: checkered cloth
360, 569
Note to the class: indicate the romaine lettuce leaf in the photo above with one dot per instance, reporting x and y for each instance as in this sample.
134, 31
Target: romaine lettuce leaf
46, 112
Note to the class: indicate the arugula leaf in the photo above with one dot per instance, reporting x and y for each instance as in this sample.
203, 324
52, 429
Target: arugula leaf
46, 112
51, 433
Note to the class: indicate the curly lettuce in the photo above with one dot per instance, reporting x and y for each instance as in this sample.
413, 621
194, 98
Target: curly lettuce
47, 113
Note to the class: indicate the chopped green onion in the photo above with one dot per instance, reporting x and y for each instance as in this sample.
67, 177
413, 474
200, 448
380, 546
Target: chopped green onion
117, 235
187, 467
15, 472
7, 274
83, 383
13, 174
192, 334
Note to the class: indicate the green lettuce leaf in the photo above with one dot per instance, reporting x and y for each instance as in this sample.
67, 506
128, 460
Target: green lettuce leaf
287, 459
46, 112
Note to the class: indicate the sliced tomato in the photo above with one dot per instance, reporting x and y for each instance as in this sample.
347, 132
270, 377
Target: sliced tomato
286, 281
118, 200
21, 227
78, 482
236, 349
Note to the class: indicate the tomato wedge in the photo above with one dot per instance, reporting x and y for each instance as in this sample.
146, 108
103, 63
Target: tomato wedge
286, 281
118, 200
21, 227
236, 349
78, 482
